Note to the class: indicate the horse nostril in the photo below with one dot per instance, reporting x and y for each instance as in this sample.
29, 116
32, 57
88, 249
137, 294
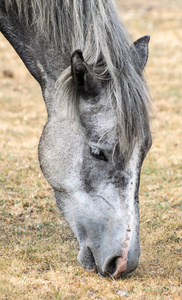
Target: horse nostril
111, 267
116, 267
86, 258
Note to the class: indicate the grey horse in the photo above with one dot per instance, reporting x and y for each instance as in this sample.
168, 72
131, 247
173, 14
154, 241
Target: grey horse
97, 132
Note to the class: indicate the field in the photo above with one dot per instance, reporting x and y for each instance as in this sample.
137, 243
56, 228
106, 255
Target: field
38, 252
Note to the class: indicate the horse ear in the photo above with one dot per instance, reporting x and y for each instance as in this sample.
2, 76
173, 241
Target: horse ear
140, 47
78, 68
83, 76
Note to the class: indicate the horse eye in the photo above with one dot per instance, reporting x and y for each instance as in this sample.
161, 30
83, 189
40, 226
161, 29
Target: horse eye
97, 153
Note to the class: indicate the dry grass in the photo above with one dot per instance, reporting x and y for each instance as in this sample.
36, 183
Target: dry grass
37, 249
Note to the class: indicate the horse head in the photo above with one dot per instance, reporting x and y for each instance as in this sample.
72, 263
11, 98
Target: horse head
97, 133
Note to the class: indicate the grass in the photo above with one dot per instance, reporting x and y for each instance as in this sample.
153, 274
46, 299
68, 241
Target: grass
38, 252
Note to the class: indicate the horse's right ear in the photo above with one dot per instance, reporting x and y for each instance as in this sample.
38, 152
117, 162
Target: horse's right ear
78, 68
83, 76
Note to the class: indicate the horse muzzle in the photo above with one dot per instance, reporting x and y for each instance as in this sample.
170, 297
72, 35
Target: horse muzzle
114, 261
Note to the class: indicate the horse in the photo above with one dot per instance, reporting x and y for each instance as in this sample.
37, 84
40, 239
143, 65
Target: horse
97, 132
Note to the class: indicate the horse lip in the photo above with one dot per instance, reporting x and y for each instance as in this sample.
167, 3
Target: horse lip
91, 270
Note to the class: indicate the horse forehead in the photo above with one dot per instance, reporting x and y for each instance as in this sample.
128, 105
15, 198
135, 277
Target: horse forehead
98, 116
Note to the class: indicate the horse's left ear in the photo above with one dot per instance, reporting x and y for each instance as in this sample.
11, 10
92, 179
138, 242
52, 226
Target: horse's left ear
140, 47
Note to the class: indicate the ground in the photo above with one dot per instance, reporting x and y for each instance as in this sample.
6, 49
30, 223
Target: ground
38, 253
